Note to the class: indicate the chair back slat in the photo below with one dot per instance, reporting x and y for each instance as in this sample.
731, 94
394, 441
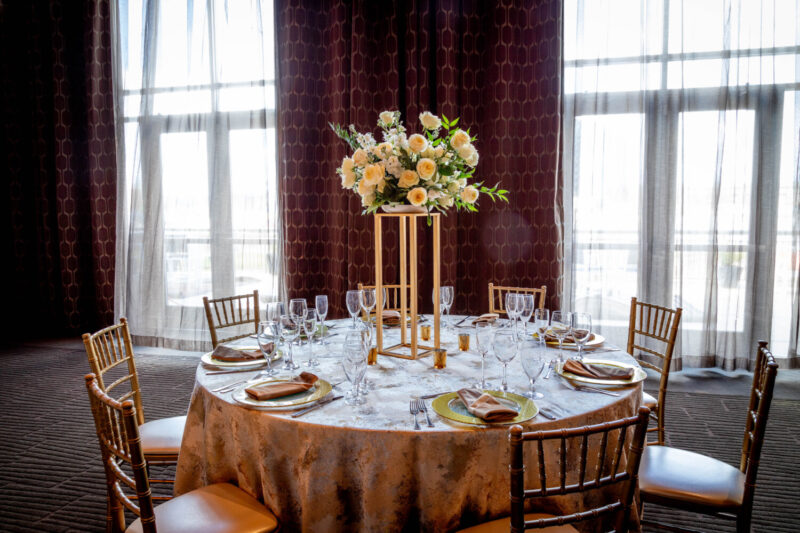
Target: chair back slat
497, 296
230, 312
615, 431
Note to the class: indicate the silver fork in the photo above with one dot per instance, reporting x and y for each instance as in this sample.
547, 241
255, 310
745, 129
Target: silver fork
233, 385
424, 409
414, 409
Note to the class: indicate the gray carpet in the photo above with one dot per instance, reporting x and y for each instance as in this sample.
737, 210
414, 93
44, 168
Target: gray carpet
51, 478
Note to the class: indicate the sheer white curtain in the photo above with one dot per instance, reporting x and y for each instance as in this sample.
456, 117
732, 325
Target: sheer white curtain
198, 211
682, 181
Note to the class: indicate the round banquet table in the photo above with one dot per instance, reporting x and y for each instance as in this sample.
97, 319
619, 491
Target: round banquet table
365, 468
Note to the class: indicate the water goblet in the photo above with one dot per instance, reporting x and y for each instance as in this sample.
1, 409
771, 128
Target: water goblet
526, 311
267, 338
560, 324
541, 321
310, 328
533, 359
581, 331
353, 300
513, 305
506, 346
484, 336
290, 331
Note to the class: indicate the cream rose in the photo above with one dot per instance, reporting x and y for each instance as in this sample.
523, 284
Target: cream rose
469, 194
462, 182
433, 194
381, 185
387, 117
360, 157
348, 179
446, 201
368, 199
417, 143
348, 164
417, 196
439, 151
466, 151
365, 188
459, 139
429, 120
373, 174
473, 160
426, 168
452, 188
383, 150
408, 179
428, 152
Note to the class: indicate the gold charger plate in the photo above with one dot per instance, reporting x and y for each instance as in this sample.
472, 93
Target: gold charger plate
450, 406
594, 343
639, 374
208, 360
320, 389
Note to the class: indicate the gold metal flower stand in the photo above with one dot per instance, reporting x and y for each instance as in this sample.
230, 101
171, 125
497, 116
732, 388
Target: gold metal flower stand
409, 347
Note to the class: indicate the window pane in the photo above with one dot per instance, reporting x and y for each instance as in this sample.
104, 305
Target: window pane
243, 52
612, 78
183, 50
612, 28
608, 173
757, 70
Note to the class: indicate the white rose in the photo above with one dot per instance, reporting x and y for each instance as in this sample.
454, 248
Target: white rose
429, 152
360, 157
433, 194
417, 196
469, 194
348, 179
446, 201
439, 150
473, 160
408, 179
452, 188
466, 151
373, 174
417, 143
462, 182
426, 168
459, 139
387, 117
429, 120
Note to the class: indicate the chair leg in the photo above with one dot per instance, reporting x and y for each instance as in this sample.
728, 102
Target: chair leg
743, 523
661, 438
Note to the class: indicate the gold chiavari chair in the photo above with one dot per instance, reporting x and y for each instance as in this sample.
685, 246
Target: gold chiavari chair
693, 482
497, 296
611, 466
110, 353
651, 337
392, 296
230, 312
215, 508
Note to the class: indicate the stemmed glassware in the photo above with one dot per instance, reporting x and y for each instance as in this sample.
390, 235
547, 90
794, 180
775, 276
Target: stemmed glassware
290, 331
525, 311
353, 300
447, 295
268, 337
560, 325
354, 364
581, 330
513, 307
506, 346
533, 363
321, 303
484, 336
310, 327
541, 321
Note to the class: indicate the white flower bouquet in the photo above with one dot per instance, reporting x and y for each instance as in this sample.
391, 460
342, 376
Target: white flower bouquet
430, 170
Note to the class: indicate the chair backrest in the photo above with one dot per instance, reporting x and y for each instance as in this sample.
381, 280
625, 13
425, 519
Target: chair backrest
120, 447
764, 376
392, 295
110, 351
657, 327
229, 312
611, 466
497, 296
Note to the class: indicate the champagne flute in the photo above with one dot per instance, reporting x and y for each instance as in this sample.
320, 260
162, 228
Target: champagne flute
354, 364
290, 330
559, 326
526, 311
298, 308
310, 327
581, 330
321, 303
484, 336
533, 363
541, 320
353, 300
512, 307
268, 341
506, 346
447, 301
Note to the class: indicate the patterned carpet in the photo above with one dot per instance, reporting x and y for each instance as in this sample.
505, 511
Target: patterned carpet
51, 478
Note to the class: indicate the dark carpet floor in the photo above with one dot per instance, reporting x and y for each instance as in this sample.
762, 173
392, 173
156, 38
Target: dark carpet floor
51, 478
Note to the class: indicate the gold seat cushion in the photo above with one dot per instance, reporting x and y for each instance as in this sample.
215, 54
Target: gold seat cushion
163, 436
682, 477
503, 525
218, 508
648, 401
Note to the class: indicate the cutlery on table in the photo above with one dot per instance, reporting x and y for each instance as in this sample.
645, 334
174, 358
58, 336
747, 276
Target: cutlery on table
549, 369
320, 403
234, 371
462, 321
586, 388
433, 395
546, 414
224, 388
421, 406
414, 410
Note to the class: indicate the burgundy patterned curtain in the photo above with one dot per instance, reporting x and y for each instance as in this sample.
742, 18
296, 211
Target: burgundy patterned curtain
496, 66
58, 151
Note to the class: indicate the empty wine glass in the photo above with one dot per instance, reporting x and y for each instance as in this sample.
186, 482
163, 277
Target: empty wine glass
354, 364
541, 321
321, 305
367, 300
353, 300
560, 323
447, 294
275, 310
506, 346
290, 331
581, 330
484, 336
310, 328
268, 341
513, 305
525, 311
533, 359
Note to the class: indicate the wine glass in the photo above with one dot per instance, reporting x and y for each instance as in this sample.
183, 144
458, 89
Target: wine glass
268, 341
298, 308
354, 364
541, 320
275, 310
367, 300
289, 330
353, 300
560, 322
321, 303
581, 330
310, 327
447, 295
506, 346
526, 311
513, 305
484, 336
533, 363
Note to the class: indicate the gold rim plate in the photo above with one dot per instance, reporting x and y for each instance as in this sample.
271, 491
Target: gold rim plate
594, 343
451, 407
639, 374
320, 389
208, 360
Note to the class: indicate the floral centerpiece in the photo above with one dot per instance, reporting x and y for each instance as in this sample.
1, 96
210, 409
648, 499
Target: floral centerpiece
430, 171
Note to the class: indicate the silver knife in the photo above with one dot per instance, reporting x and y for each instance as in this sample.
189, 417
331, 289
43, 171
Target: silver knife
462, 320
320, 403
218, 372
546, 415
434, 395
549, 370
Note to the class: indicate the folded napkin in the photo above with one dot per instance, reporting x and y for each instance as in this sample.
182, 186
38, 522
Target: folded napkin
390, 317
486, 317
278, 389
231, 355
589, 370
485, 406
549, 337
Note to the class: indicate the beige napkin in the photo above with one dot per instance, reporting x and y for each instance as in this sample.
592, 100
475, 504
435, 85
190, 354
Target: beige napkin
390, 317
278, 389
569, 338
589, 370
486, 317
231, 355
485, 406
